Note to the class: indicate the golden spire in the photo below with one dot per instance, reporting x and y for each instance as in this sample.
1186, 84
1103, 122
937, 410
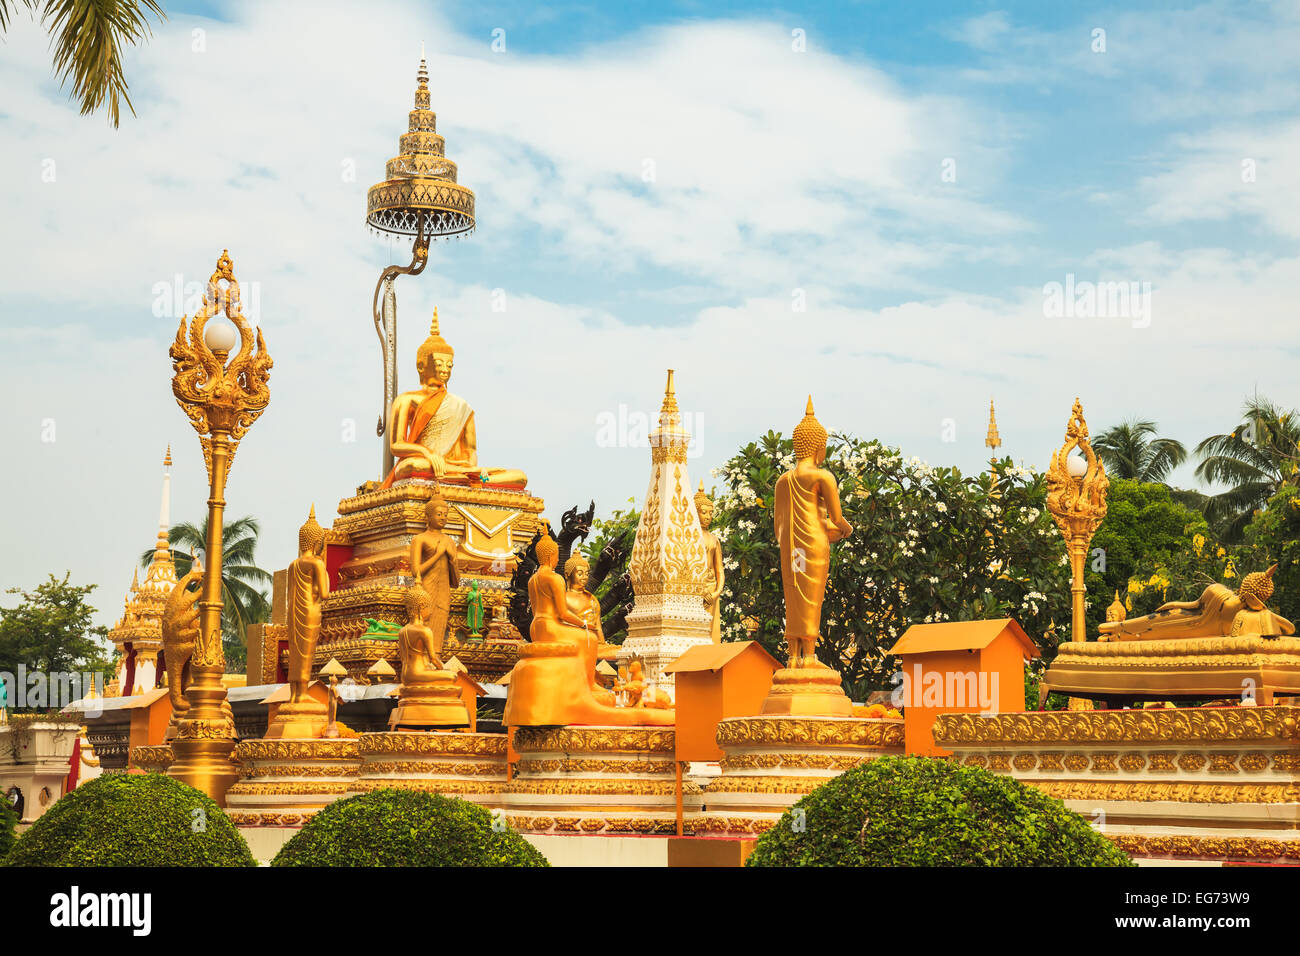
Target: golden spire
167, 459
669, 413
992, 440
435, 344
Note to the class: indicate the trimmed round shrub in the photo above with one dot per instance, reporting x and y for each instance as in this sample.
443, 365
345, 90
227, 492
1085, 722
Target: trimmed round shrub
8, 823
132, 820
405, 828
917, 811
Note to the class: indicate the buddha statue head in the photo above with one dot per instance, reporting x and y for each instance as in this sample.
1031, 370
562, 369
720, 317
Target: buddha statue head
576, 573
417, 603
435, 512
311, 536
1117, 611
548, 552
433, 360
1256, 588
810, 437
704, 507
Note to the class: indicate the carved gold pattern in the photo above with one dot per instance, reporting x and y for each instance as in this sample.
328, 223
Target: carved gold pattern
809, 731
1120, 726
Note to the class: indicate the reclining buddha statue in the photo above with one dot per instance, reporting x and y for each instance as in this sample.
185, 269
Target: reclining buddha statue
552, 683
1218, 612
432, 432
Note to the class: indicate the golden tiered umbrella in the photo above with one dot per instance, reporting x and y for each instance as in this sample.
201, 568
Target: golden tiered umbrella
419, 197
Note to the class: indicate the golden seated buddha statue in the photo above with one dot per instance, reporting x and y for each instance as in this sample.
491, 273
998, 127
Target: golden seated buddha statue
432, 432
552, 683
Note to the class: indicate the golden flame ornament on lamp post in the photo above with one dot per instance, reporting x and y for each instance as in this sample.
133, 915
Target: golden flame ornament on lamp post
222, 397
1076, 498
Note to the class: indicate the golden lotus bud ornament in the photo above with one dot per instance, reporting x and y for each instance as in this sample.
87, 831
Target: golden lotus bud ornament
1076, 498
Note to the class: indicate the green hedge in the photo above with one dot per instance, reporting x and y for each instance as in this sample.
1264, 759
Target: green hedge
132, 820
8, 822
405, 828
917, 811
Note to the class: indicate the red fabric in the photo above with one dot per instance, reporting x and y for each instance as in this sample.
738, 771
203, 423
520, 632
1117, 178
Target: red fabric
75, 769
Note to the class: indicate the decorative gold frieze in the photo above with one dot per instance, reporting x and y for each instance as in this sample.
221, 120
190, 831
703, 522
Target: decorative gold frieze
1205, 724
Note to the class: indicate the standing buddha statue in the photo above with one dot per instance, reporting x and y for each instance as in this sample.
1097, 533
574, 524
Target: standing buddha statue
433, 562
308, 584
713, 554
808, 521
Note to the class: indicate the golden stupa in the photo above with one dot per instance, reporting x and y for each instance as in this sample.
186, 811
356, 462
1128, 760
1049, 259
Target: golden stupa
138, 634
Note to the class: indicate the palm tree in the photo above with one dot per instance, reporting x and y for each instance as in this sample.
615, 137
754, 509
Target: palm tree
244, 602
1131, 450
1254, 460
88, 39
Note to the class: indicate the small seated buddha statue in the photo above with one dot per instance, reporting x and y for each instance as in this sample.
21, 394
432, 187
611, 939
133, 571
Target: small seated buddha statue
428, 696
1218, 612
431, 431
586, 606
551, 685
633, 685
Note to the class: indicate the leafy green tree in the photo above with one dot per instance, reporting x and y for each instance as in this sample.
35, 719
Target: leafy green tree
51, 630
242, 581
1254, 460
1151, 548
1132, 450
88, 39
619, 529
1273, 537
929, 544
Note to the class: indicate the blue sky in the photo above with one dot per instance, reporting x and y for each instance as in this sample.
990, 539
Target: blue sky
913, 177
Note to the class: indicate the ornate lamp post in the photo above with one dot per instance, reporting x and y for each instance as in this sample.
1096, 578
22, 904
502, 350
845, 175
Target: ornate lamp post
222, 398
419, 197
1076, 498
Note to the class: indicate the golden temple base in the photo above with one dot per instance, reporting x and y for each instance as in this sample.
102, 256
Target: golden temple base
436, 704
1160, 670
1203, 784
812, 691
769, 763
598, 781
282, 781
469, 766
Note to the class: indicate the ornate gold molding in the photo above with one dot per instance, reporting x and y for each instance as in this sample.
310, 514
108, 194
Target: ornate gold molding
1208, 725
324, 748
436, 744
810, 732
594, 740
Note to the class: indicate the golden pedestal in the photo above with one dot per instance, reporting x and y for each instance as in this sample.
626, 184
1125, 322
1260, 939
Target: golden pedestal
283, 782
769, 763
1202, 784
810, 691
301, 721
1196, 667
488, 524
205, 737
596, 781
469, 766
437, 703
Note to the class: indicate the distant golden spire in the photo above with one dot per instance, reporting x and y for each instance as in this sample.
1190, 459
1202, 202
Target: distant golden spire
992, 440
167, 459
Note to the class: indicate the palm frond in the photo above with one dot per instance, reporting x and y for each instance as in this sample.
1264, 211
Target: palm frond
89, 37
